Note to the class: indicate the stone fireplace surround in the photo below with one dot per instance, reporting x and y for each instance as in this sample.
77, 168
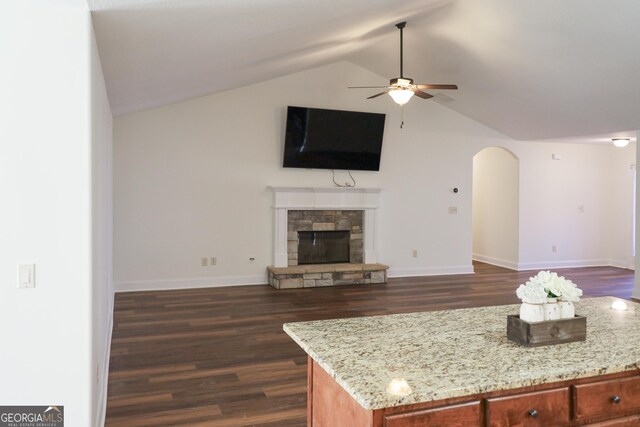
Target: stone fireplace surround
333, 201
325, 220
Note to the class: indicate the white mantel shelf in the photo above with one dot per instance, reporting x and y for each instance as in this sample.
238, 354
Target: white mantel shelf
316, 198
325, 197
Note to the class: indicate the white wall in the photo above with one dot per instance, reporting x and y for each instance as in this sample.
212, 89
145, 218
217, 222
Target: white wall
496, 196
621, 190
49, 194
102, 233
552, 193
190, 180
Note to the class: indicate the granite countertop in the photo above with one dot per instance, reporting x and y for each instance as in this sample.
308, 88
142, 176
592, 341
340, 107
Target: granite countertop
454, 353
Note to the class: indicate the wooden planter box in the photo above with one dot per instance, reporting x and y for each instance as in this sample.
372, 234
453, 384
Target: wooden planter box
546, 333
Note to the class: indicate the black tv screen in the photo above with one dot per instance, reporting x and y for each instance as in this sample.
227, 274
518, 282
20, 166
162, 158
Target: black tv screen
333, 139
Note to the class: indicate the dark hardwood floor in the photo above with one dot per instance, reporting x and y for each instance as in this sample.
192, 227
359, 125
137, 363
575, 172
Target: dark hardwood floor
219, 357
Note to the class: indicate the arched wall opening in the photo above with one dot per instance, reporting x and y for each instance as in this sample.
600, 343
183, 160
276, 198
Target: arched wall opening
495, 207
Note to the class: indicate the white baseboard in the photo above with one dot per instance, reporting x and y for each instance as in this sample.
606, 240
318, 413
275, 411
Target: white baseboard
200, 282
621, 264
430, 271
220, 281
542, 265
511, 265
102, 399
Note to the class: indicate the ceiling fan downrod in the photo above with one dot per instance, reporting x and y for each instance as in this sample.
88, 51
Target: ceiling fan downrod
400, 26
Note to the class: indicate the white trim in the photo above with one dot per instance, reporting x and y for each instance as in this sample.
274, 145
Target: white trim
541, 265
511, 265
430, 271
621, 264
101, 415
199, 282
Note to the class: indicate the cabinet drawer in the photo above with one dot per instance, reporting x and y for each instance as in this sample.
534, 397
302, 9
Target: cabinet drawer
632, 421
464, 415
542, 408
607, 399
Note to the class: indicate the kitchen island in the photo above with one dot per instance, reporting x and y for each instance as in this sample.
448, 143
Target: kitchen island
458, 368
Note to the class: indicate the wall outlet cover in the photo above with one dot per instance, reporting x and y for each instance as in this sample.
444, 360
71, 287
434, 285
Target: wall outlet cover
26, 276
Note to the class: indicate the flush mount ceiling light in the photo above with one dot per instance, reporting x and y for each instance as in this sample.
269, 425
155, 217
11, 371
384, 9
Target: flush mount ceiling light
402, 89
620, 142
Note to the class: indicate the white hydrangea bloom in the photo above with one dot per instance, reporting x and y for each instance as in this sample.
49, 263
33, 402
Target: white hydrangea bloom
548, 281
550, 285
532, 293
569, 291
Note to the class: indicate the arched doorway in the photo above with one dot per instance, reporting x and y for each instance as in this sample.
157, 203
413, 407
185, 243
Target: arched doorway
495, 207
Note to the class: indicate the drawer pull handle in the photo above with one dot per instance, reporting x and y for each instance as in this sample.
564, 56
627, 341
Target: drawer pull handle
533, 413
616, 399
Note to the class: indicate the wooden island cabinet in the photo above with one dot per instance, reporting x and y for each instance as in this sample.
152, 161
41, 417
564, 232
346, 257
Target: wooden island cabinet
606, 400
463, 372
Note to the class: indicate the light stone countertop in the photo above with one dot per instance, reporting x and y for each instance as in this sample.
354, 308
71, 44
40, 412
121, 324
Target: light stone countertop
454, 353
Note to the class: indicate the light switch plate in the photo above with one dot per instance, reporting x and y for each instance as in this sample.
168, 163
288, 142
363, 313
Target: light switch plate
26, 276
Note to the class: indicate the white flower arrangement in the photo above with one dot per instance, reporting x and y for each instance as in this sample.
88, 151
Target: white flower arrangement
548, 285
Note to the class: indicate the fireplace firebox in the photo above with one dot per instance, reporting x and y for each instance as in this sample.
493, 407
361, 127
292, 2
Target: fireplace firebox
323, 247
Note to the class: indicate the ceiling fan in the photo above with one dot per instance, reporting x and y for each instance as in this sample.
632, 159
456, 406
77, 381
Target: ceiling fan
401, 89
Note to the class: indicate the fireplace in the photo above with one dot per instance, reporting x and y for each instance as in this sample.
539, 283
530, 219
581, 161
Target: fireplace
325, 209
323, 247
299, 212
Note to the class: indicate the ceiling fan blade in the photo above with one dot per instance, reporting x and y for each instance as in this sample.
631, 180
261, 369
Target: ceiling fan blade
453, 87
378, 94
422, 95
367, 87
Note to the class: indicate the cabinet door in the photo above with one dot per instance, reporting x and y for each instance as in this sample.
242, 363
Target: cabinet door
542, 408
607, 399
464, 415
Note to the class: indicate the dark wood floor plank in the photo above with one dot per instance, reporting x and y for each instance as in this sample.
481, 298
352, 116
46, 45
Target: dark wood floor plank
219, 357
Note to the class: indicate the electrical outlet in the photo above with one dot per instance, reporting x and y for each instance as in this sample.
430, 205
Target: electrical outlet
252, 260
214, 260
414, 253
204, 261
453, 210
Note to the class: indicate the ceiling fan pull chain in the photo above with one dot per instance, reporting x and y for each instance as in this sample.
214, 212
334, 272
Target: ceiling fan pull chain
401, 116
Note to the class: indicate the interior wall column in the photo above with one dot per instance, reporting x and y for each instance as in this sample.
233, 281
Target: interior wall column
636, 290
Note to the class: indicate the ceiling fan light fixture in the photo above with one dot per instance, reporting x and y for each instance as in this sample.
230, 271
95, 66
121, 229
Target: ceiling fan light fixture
401, 96
401, 82
620, 142
401, 89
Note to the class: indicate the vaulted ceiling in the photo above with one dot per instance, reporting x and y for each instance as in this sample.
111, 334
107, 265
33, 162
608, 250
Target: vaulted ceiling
529, 69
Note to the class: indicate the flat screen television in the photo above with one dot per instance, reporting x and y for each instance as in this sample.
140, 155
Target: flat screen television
333, 139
